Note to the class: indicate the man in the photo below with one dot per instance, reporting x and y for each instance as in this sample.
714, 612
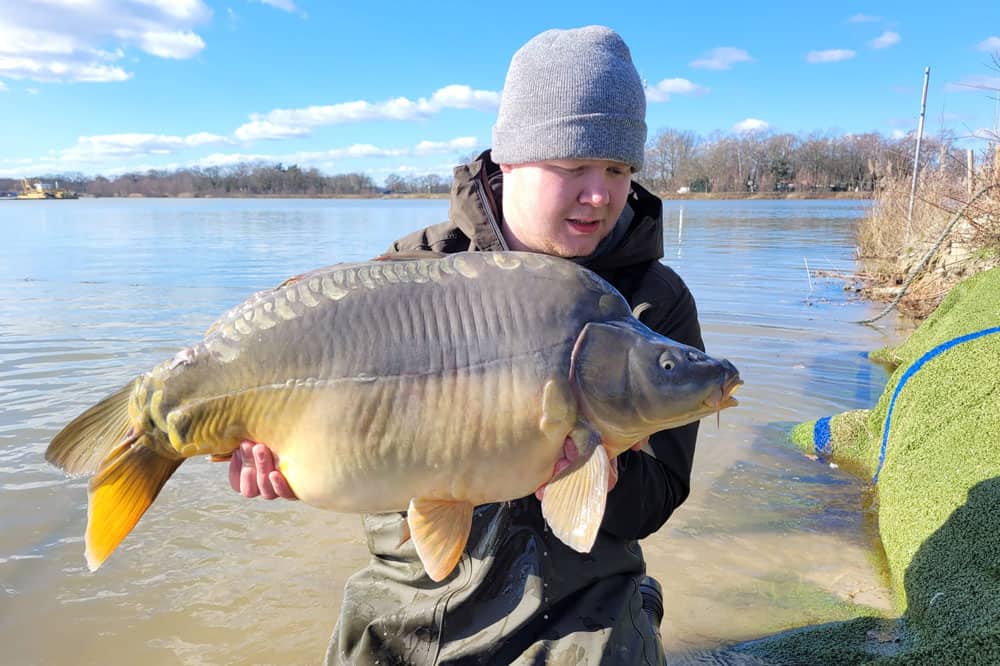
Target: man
569, 135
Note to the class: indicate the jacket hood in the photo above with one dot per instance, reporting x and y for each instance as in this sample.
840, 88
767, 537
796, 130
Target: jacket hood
477, 193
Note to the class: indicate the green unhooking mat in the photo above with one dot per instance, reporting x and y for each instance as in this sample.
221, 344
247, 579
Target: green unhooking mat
931, 447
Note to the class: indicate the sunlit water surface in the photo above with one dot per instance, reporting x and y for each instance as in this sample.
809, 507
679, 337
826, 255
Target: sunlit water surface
96, 291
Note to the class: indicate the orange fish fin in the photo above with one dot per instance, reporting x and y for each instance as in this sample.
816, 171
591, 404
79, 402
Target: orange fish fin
120, 493
88, 440
573, 502
221, 457
405, 536
440, 529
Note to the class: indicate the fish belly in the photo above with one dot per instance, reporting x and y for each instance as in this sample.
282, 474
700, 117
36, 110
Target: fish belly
371, 445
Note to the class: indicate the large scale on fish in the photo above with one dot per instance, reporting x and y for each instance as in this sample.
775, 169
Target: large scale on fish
425, 385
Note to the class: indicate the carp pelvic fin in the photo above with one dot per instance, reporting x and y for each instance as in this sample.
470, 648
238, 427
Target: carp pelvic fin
440, 530
573, 502
127, 483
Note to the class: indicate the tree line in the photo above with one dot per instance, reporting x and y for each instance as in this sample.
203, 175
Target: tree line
771, 162
240, 180
676, 161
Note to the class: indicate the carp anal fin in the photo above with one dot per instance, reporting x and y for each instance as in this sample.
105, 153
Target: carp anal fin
127, 483
573, 502
440, 530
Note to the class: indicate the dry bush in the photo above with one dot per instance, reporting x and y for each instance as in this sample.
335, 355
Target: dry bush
890, 254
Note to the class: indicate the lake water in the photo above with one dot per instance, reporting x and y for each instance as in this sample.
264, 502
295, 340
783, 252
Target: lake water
97, 291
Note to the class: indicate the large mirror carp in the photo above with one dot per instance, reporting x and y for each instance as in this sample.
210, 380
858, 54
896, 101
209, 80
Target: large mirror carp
426, 385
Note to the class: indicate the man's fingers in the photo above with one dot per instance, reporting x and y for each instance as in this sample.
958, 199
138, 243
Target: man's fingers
281, 487
248, 482
235, 466
265, 465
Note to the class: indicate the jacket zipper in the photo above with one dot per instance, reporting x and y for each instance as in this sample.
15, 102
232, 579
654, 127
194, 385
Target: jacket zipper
487, 202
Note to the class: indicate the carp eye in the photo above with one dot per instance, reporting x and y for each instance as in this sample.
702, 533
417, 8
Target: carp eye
666, 362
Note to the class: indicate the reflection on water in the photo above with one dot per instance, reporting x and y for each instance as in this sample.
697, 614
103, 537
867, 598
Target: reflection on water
97, 291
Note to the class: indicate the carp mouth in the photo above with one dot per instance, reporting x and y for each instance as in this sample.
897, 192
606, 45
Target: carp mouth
722, 396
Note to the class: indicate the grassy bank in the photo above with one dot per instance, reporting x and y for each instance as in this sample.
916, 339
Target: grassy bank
932, 442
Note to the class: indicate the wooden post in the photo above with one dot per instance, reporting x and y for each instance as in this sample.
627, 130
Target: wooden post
916, 154
970, 170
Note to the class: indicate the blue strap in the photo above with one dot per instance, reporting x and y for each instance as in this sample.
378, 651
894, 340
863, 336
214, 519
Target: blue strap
912, 370
821, 436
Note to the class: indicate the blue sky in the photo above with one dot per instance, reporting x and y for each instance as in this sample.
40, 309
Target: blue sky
107, 86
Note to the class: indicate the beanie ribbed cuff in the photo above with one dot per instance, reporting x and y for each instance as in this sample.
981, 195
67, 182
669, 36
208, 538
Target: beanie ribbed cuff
584, 137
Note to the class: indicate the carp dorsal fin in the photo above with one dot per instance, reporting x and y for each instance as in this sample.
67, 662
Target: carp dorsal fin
440, 530
410, 255
573, 502
640, 308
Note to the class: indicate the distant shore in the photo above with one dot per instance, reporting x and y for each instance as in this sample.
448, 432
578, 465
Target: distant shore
694, 196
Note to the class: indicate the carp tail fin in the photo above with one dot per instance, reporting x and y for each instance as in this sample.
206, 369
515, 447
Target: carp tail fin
124, 487
81, 446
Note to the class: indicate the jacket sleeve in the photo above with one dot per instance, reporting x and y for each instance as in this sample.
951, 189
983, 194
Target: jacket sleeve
649, 489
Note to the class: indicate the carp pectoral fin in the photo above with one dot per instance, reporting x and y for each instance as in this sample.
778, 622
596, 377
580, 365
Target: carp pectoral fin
405, 536
120, 493
573, 502
440, 530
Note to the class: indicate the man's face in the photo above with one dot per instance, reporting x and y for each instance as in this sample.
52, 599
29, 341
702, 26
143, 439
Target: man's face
562, 207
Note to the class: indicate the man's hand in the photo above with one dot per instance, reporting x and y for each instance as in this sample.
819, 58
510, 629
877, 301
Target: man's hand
570, 454
253, 473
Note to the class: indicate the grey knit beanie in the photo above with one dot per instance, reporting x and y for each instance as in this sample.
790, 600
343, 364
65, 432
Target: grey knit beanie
572, 94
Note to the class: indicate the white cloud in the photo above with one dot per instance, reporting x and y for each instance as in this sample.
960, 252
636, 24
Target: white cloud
974, 84
830, 55
864, 18
117, 146
285, 123
113, 154
283, 5
463, 143
750, 125
723, 57
3, 87
74, 40
662, 91
885, 40
177, 45
898, 134
991, 43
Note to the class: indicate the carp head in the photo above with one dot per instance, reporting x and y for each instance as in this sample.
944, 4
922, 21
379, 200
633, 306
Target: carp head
631, 381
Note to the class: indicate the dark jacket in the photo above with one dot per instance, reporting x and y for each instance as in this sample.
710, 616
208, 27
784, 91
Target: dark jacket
519, 595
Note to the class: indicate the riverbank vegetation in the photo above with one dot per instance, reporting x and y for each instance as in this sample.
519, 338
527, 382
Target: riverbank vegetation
952, 231
679, 164
243, 180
